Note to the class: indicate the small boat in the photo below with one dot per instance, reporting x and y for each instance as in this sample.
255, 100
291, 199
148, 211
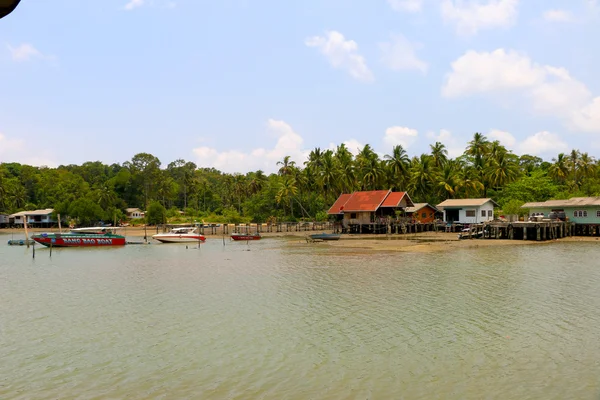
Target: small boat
180, 235
325, 236
81, 237
245, 236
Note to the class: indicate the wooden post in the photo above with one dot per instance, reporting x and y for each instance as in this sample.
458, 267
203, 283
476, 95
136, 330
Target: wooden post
538, 233
524, 232
59, 227
26, 233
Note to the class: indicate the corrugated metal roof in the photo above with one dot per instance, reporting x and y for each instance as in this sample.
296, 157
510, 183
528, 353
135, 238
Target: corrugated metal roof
418, 206
129, 210
394, 199
336, 208
34, 212
572, 202
464, 203
365, 201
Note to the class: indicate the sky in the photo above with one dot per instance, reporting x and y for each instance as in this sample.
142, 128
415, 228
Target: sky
240, 84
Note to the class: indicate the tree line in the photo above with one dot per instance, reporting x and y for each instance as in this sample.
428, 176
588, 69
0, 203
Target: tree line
95, 191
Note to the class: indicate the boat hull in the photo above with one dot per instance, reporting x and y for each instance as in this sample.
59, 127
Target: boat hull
325, 236
66, 240
166, 238
245, 237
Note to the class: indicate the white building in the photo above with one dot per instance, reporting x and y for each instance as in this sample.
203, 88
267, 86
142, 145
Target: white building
33, 218
134, 213
467, 211
3, 220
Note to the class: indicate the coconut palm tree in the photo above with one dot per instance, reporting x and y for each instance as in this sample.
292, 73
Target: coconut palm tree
398, 163
286, 166
439, 153
559, 169
286, 192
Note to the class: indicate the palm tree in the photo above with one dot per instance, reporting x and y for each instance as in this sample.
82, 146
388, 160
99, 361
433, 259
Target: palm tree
559, 169
502, 168
257, 181
286, 192
370, 168
447, 179
286, 166
478, 148
345, 164
398, 163
439, 154
421, 176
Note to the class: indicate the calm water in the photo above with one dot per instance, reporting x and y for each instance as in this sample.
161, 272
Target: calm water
277, 321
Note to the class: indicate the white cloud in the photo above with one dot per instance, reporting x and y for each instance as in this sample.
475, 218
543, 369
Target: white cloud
25, 52
588, 118
480, 72
549, 90
342, 54
474, 15
289, 143
404, 136
542, 143
558, 16
399, 54
505, 138
406, 5
353, 146
453, 145
134, 4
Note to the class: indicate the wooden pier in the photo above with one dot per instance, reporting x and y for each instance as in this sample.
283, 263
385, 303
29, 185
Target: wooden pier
539, 231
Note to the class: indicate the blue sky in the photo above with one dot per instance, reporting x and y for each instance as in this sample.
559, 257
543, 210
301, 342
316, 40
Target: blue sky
239, 84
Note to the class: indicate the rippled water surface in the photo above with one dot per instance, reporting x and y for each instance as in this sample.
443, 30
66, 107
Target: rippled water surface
272, 320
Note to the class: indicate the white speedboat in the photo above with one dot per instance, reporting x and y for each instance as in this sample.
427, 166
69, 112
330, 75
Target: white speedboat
180, 235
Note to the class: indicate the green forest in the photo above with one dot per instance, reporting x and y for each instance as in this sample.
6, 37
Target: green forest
95, 191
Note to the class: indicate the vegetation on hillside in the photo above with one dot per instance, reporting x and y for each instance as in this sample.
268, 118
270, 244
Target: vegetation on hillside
96, 191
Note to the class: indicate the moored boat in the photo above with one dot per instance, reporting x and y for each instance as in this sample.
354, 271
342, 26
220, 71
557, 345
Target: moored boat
325, 236
245, 236
81, 237
180, 235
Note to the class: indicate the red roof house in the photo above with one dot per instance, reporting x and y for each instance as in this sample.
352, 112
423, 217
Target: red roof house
365, 207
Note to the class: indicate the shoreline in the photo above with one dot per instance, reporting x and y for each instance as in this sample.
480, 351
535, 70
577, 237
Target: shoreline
425, 242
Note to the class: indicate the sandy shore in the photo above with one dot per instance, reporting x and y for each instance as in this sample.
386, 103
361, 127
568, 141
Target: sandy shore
420, 242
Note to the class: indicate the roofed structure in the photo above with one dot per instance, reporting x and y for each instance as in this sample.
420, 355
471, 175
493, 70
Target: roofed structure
465, 203
572, 202
419, 206
369, 201
338, 206
394, 199
366, 201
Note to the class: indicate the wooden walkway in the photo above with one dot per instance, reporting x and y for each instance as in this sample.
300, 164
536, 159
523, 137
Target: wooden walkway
540, 231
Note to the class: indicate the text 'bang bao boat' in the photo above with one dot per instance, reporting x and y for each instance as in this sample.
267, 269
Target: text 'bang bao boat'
180, 235
245, 236
81, 237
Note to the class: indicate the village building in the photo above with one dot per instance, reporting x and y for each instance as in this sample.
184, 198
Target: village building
3, 220
134, 213
369, 207
581, 210
467, 211
36, 218
422, 212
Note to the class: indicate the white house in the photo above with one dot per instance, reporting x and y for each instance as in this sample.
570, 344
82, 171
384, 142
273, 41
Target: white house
33, 218
467, 211
3, 220
134, 213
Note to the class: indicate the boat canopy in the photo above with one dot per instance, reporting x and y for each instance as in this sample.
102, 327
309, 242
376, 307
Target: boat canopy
95, 229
